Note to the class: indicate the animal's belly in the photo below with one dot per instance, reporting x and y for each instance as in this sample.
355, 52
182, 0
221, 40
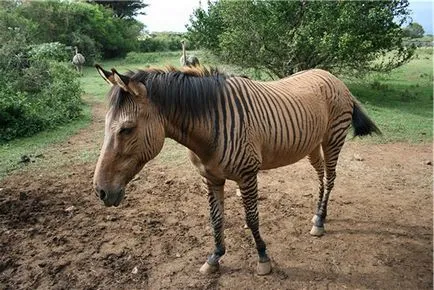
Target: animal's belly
285, 156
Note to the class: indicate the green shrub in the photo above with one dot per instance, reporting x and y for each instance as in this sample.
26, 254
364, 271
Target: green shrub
27, 111
50, 50
38, 89
36, 92
162, 41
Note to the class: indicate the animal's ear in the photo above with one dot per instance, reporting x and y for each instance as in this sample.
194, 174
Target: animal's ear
137, 88
121, 80
133, 87
106, 75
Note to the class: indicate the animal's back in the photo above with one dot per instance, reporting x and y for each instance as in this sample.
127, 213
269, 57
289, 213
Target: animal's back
292, 116
78, 59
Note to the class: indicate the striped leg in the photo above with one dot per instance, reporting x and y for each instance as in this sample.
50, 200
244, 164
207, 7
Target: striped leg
317, 161
249, 194
215, 190
331, 155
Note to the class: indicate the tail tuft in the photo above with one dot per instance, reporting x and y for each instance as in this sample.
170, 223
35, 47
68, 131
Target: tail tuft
361, 123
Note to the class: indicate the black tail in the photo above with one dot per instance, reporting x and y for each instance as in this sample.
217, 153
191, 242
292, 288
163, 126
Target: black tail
361, 123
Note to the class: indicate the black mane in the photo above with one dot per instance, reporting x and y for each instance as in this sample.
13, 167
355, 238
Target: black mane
191, 92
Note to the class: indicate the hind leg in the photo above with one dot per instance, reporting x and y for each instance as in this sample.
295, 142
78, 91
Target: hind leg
317, 161
331, 154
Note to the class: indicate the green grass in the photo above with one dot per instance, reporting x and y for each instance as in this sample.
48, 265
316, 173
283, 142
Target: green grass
400, 102
35, 146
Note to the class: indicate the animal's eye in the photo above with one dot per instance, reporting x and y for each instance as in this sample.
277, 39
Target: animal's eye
126, 130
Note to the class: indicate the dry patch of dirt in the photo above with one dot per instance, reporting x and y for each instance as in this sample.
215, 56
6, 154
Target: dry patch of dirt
56, 234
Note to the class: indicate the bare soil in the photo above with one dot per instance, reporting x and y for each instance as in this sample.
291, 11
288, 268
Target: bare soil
56, 234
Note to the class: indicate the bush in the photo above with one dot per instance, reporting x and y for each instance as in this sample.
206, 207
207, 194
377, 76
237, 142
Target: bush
38, 88
50, 50
36, 91
92, 28
161, 41
27, 111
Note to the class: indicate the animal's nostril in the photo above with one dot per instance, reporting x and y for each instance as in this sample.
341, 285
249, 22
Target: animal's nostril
102, 194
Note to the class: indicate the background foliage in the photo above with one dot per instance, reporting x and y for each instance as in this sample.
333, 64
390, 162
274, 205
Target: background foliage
284, 37
38, 87
414, 30
162, 41
92, 28
123, 9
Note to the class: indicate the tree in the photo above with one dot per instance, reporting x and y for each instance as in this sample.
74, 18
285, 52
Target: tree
92, 28
206, 26
123, 9
284, 37
414, 30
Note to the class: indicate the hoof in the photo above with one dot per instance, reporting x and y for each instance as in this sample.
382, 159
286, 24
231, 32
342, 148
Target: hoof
317, 231
207, 268
263, 268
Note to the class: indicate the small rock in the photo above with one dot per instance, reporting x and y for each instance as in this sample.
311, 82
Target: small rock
23, 195
178, 255
24, 159
428, 162
358, 157
135, 270
111, 218
169, 181
70, 209
136, 178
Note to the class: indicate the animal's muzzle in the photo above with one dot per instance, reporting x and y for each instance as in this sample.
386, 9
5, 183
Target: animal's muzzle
110, 198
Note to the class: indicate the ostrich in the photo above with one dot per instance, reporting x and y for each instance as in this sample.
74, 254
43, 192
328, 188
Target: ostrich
190, 60
78, 60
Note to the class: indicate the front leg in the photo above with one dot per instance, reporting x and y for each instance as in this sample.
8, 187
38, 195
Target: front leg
215, 189
249, 194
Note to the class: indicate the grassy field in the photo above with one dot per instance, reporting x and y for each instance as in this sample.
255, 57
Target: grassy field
400, 102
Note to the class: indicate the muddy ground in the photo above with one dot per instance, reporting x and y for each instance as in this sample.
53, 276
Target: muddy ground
55, 233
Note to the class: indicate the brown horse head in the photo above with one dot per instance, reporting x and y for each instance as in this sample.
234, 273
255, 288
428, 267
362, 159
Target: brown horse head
134, 134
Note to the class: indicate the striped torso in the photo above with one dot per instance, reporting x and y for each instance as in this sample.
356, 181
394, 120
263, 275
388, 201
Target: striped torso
277, 123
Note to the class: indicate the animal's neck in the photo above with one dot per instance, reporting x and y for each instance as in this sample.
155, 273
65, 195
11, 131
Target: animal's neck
188, 107
76, 50
195, 134
184, 54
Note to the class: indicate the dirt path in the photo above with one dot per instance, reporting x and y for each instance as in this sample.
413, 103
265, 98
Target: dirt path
55, 234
